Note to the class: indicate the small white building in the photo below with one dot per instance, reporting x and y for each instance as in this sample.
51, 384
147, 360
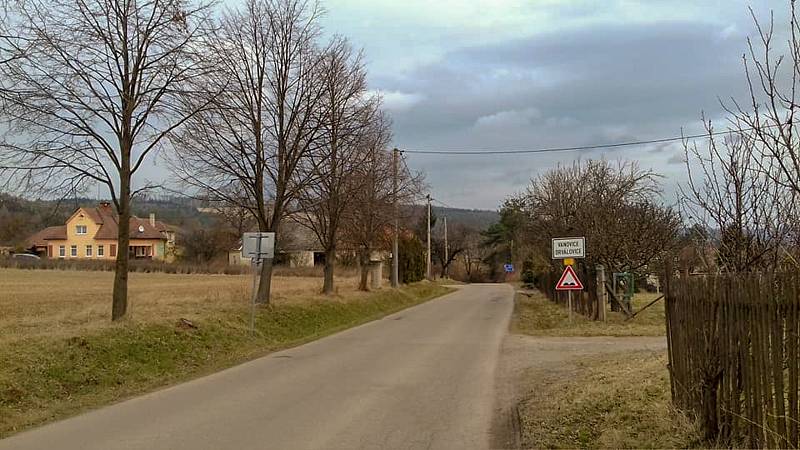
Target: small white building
297, 246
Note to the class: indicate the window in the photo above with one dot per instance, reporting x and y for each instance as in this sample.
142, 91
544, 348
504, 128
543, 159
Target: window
49, 251
73, 251
112, 250
62, 251
80, 229
101, 252
89, 251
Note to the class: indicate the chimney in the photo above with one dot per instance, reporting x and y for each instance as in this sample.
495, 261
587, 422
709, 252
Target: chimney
153, 219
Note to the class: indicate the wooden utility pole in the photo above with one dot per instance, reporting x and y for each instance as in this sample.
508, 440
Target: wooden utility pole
395, 246
428, 257
601, 293
446, 250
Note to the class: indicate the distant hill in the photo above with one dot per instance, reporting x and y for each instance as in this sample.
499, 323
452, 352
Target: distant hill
477, 219
473, 218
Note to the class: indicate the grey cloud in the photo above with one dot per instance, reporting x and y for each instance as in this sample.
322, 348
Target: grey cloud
677, 158
598, 85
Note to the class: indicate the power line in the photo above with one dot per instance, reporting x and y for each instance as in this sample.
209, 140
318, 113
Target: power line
578, 148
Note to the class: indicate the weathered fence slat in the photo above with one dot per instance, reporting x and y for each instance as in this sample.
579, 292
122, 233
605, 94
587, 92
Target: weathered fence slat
734, 355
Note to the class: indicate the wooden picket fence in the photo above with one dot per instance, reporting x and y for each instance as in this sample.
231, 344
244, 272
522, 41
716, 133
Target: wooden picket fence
733, 356
583, 302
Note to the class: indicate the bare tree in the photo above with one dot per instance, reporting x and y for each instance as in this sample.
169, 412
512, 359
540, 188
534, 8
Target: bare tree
252, 147
769, 116
615, 207
8, 40
13, 43
91, 94
743, 187
369, 222
733, 196
347, 113
458, 240
473, 256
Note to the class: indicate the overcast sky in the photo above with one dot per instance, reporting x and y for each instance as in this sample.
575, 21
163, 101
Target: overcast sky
508, 74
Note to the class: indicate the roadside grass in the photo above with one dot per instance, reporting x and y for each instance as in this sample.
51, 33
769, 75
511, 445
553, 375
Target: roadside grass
614, 401
60, 355
535, 315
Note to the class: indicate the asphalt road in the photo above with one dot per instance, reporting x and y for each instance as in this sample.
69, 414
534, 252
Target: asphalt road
422, 378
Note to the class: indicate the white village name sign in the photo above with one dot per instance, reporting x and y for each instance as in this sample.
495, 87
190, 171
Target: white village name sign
569, 248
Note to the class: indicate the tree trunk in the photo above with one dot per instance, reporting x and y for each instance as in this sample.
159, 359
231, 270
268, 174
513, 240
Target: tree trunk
119, 305
364, 263
265, 282
330, 262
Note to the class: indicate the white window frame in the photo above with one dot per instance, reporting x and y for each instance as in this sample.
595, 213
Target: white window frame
89, 251
73, 251
101, 251
62, 251
80, 230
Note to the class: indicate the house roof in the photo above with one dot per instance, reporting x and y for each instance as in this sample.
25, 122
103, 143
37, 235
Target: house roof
40, 239
140, 229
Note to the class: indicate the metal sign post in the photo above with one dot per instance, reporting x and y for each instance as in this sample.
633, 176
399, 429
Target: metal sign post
569, 282
569, 304
253, 263
257, 247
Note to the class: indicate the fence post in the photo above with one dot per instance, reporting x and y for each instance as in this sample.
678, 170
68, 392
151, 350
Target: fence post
668, 273
601, 293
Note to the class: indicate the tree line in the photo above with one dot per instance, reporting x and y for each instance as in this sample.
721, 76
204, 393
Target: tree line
249, 105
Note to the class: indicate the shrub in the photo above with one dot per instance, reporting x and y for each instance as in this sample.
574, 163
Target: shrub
412, 259
528, 275
146, 266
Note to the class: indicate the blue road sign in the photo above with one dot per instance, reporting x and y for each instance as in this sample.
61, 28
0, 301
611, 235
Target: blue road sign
508, 267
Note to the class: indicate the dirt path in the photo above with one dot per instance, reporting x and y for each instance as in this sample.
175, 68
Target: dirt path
529, 361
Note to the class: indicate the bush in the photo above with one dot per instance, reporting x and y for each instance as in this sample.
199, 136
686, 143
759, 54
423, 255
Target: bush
412, 259
528, 275
146, 266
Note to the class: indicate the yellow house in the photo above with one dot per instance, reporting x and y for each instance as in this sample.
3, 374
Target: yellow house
91, 233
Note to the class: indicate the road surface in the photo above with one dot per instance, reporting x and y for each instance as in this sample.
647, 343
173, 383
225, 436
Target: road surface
422, 378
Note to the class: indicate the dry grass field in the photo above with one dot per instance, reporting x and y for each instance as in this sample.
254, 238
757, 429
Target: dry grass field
55, 303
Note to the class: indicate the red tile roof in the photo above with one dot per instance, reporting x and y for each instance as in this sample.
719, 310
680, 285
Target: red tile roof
50, 233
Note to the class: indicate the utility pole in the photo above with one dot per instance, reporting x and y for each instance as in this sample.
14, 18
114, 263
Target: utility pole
428, 266
446, 249
395, 246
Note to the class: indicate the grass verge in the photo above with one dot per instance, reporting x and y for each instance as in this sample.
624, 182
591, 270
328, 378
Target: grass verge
47, 378
619, 401
535, 315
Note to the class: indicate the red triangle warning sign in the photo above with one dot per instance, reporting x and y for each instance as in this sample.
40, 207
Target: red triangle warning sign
569, 281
